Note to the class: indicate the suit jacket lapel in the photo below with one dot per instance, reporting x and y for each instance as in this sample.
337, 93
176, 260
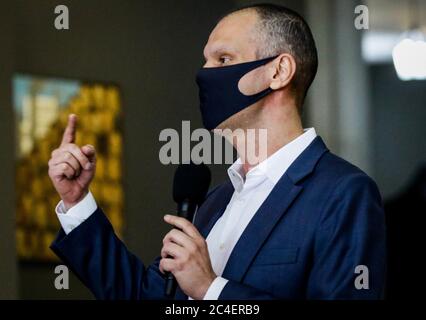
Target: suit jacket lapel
271, 211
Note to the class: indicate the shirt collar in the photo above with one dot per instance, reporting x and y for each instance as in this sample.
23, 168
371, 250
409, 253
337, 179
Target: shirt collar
236, 175
275, 165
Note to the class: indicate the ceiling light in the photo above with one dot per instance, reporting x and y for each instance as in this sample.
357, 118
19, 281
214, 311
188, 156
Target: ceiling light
409, 57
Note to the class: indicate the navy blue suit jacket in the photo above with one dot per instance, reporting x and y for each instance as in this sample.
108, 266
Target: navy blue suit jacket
323, 218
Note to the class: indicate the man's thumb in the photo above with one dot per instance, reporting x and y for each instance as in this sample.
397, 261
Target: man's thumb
89, 151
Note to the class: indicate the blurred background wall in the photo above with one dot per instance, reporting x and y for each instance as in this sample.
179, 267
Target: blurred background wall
152, 50
8, 265
399, 118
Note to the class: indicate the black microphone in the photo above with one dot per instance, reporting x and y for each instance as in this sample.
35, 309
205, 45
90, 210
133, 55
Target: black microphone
190, 186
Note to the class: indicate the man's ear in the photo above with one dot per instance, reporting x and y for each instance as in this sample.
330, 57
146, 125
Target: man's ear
284, 70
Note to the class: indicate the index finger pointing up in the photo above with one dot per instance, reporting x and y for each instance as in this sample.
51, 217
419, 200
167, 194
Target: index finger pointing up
69, 133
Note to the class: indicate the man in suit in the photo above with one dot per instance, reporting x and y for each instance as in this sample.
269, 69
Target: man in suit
300, 223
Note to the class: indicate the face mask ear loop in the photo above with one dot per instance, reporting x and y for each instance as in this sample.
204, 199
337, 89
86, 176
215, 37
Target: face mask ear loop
268, 89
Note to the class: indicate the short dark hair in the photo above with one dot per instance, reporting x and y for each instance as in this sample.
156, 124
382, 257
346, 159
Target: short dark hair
285, 31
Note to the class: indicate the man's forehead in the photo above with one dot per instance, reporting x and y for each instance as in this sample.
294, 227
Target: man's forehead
241, 21
234, 28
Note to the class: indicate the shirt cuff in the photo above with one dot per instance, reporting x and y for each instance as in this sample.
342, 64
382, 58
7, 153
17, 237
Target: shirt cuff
215, 289
77, 214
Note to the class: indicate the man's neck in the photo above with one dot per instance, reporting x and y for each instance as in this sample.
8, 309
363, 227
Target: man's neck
275, 142
281, 130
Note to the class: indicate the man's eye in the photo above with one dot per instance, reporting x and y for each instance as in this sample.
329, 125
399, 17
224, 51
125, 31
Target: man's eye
224, 60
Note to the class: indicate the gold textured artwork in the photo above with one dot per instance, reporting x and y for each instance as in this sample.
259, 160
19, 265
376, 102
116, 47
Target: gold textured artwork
42, 106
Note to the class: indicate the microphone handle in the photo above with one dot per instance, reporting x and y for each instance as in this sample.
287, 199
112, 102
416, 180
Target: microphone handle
185, 209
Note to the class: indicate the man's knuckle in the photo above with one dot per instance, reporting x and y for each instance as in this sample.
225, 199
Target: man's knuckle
174, 233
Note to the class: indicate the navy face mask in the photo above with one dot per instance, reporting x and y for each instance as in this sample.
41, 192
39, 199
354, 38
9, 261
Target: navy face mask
220, 97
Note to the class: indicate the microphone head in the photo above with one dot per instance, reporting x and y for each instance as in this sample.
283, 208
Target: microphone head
191, 183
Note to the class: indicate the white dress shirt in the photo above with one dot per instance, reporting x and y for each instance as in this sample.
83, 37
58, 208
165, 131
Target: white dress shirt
250, 191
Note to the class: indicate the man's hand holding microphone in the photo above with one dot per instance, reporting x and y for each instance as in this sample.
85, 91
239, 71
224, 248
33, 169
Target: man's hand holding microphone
184, 252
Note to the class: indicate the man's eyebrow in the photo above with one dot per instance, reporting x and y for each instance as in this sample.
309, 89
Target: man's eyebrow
223, 49
220, 49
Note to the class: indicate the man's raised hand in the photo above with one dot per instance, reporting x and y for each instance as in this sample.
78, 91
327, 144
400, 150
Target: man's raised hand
72, 168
